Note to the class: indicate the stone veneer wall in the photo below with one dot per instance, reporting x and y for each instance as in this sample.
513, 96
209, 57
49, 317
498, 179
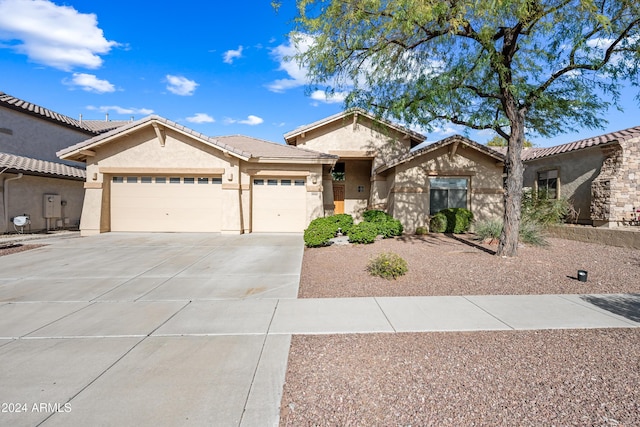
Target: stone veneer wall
615, 193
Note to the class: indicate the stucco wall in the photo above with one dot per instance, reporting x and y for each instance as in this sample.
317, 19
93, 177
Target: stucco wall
26, 196
26, 135
576, 171
410, 189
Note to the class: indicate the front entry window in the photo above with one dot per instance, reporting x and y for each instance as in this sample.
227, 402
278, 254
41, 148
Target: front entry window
339, 172
447, 193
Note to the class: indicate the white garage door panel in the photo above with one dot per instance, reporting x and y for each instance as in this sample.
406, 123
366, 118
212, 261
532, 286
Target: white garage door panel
166, 207
279, 208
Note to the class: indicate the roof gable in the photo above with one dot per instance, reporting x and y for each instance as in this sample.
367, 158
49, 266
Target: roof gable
454, 140
290, 137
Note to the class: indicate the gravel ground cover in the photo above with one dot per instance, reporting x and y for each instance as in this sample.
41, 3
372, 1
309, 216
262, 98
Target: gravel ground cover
512, 378
15, 248
445, 265
523, 378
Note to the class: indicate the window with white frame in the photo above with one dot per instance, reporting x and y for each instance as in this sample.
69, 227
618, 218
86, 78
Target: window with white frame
447, 193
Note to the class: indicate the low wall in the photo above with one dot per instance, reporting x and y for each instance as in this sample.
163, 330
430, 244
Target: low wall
627, 237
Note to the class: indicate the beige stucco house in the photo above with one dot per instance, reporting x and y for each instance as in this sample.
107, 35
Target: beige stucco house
599, 175
33, 181
157, 175
385, 166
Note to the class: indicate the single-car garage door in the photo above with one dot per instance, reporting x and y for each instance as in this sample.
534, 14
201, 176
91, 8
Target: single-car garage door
279, 205
166, 204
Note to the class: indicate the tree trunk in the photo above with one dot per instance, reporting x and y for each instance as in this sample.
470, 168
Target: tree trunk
508, 246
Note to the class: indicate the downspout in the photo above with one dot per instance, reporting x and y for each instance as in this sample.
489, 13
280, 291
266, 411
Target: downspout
6, 200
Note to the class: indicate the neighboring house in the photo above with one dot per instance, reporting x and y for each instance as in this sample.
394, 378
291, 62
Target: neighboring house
599, 175
33, 181
156, 175
386, 166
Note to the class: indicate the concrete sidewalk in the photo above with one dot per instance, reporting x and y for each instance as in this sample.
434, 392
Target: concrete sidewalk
229, 353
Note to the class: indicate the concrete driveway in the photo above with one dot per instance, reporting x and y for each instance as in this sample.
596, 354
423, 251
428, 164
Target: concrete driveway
145, 329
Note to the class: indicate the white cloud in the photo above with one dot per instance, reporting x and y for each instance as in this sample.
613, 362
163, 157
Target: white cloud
230, 55
283, 54
251, 120
90, 83
180, 85
121, 110
201, 118
52, 35
335, 98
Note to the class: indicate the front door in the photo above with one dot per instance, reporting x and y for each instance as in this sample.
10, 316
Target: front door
338, 199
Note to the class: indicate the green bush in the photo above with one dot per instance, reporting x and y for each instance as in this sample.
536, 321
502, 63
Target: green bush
344, 222
421, 231
364, 232
374, 215
387, 265
321, 230
458, 220
387, 225
438, 223
390, 228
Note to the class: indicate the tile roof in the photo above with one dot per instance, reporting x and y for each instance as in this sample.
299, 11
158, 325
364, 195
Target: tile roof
618, 136
306, 128
91, 127
265, 149
30, 166
241, 146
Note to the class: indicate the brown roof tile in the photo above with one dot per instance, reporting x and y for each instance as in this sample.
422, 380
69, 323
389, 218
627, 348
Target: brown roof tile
266, 149
90, 127
40, 167
621, 135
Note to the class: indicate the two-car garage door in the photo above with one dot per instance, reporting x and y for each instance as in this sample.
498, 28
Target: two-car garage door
166, 204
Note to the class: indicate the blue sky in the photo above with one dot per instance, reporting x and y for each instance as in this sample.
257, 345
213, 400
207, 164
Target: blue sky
214, 66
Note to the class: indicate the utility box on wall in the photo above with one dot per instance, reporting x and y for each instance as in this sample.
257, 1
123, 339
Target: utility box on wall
52, 206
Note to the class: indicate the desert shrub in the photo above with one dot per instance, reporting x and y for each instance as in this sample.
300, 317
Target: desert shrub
387, 265
538, 208
421, 231
488, 229
321, 230
364, 232
438, 223
532, 233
